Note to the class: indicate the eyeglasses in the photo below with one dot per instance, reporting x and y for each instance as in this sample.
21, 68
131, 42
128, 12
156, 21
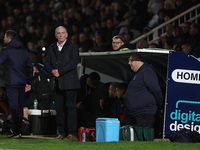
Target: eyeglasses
116, 43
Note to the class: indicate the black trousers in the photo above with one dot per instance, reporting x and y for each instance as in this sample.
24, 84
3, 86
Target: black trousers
66, 112
16, 102
144, 119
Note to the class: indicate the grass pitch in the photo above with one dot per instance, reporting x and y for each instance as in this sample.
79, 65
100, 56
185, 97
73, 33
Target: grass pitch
41, 143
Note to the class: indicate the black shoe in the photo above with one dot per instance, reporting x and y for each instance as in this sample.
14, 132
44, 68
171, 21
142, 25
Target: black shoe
14, 135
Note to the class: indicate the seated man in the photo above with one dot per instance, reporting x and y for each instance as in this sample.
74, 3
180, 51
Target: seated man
120, 93
90, 99
40, 89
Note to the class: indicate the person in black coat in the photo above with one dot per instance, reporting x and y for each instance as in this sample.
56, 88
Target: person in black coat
18, 74
40, 89
90, 99
61, 63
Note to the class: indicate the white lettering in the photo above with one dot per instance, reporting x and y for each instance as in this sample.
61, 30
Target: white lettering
177, 127
172, 126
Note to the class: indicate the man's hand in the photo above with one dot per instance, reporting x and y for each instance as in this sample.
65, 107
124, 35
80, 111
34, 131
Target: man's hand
80, 105
101, 103
55, 72
27, 88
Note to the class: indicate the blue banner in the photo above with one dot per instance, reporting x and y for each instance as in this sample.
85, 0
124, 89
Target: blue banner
182, 108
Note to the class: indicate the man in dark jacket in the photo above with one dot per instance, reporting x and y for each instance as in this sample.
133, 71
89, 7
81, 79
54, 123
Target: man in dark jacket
143, 93
90, 99
18, 74
61, 62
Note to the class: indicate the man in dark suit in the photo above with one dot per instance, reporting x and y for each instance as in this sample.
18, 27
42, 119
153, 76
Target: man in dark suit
61, 62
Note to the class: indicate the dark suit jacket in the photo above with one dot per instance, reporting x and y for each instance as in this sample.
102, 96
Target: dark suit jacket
66, 63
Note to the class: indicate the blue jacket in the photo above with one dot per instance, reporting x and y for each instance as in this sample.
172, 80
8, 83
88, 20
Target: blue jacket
18, 69
143, 93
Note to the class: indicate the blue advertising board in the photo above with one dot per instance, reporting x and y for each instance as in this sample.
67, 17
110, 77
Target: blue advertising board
182, 108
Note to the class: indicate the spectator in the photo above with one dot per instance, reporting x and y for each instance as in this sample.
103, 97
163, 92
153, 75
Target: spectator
76, 28
186, 31
161, 17
24, 36
75, 38
32, 32
91, 14
153, 45
19, 77
177, 46
177, 34
84, 4
143, 93
86, 44
168, 44
181, 6
143, 44
168, 36
186, 48
140, 11
61, 63
110, 29
87, 30
29, 21
117, 26
68, 18
156, 19
169, 7
4, 24
118, 43
99, 44
154, 6
25, 9
194, 37
129, 36
48, 32
127, 19
12, 24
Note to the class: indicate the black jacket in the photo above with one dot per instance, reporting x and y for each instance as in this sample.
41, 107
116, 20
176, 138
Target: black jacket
18, 67
66, 63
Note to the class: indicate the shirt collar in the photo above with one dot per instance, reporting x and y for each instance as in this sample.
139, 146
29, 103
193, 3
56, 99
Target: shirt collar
60, 46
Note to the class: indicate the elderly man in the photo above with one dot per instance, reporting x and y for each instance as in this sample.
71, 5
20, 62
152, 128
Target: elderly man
61, 62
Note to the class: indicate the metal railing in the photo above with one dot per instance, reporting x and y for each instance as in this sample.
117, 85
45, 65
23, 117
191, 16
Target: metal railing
191, 15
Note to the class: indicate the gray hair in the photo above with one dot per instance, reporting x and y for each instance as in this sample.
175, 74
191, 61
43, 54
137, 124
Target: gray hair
60, 27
